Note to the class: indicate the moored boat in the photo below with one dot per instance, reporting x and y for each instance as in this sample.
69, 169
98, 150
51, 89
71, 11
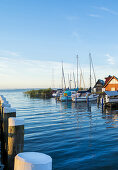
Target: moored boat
67, 95
84, 97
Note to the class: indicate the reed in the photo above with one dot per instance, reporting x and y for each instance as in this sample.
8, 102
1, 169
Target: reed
42, 93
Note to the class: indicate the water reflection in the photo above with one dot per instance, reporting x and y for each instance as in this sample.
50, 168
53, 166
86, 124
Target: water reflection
111, 116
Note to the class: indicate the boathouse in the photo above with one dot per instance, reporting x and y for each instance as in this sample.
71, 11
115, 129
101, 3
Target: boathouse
111, 84
98, 86
111, 96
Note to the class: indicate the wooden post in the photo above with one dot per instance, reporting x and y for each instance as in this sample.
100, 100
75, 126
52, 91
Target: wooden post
98, 101
7, 112
15, 139
3, 106
76, 99
2, 100
33, 161
102, 104
88, 100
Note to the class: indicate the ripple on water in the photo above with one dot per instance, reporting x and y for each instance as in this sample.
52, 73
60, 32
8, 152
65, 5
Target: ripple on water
77, 137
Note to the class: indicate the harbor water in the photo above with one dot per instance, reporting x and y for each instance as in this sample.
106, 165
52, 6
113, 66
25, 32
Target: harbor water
76, 136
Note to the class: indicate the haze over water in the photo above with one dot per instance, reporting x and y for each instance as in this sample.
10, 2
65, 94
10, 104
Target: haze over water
77, 137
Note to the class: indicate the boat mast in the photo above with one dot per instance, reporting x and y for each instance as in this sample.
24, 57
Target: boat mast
74, 79
70, 80
93, 70
81, 76
62, 75
80, 80
77, 71
63, 78
90, 69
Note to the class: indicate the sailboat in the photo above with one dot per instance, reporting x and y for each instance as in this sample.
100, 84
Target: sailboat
84, 96
68, 93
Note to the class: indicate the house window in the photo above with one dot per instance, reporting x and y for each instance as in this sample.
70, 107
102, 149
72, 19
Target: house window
112, 89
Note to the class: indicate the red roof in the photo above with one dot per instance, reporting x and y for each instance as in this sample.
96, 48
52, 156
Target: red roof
106, 83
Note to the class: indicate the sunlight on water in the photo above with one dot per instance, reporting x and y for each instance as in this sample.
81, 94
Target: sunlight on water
77, 137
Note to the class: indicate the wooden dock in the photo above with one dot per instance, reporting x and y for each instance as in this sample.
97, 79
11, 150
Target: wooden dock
12, 156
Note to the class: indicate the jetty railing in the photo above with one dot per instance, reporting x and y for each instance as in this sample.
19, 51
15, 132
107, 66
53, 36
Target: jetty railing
12, 143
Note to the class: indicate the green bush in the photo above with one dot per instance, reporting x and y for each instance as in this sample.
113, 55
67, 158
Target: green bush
42, 93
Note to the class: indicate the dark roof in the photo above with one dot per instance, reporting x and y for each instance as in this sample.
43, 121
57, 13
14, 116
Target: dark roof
99, 82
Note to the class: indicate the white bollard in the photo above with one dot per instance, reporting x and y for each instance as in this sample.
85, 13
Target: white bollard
32, 161
15, 139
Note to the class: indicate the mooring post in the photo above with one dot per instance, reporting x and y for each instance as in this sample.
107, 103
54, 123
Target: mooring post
102, 104
2, 100
88, 100
7, 112
76, 99
56, 99
15, 139
98, 101
32, 161
4, 104
1, 114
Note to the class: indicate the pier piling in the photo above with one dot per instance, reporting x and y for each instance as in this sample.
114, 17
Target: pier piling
15, 139
7, 112
33, 161
12, 143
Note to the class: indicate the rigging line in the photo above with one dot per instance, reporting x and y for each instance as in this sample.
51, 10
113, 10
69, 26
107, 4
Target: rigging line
63, 77
83, 79
68, 81
93, 70
62, 74
77, 71
81, 74
90, 68
74, 79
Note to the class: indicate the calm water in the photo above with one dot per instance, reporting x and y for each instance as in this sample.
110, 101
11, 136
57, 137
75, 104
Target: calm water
77, 137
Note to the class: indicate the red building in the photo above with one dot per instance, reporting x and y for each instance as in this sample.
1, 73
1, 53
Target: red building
111, 84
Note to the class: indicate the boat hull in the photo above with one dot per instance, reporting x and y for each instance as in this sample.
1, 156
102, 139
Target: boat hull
66, 98
82, 99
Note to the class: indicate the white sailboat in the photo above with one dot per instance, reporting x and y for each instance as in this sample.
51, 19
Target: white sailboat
84, 96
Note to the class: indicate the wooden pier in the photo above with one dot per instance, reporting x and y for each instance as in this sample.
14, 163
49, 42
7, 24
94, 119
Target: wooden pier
108, 99
12, 143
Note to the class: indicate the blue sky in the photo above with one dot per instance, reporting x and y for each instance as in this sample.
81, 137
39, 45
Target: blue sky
36, 35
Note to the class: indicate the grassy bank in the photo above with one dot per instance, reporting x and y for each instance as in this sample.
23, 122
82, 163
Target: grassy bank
42, 93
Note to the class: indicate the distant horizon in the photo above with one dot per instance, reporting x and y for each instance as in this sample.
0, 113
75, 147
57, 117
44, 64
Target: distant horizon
36, 36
